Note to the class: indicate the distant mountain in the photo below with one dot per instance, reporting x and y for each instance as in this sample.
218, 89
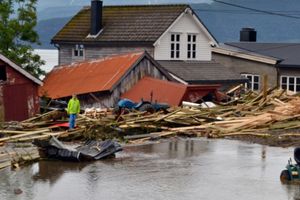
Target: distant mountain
223, 21
58, 8
47, 29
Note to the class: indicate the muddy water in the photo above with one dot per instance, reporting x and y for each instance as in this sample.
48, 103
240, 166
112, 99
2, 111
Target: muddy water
178, 169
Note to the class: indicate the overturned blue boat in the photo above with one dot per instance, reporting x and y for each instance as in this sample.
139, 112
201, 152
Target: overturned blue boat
91, 150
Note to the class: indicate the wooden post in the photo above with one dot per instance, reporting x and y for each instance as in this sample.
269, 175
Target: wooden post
265, 86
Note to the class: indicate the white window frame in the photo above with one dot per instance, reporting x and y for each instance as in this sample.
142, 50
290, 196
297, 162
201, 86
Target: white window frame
175, 45
291, 83
251, 85
191, 46
78, 51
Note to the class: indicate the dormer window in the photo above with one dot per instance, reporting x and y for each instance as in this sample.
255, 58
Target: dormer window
191, 46
78, 51
175, 46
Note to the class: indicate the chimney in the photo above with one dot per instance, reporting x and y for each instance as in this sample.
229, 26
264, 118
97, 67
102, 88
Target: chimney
248, 35
96, 17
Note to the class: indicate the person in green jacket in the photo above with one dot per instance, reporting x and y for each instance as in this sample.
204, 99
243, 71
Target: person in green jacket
73, 110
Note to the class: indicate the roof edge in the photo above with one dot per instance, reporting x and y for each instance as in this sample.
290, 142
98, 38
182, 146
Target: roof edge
198, 21
217, 81
21, 70
244, 55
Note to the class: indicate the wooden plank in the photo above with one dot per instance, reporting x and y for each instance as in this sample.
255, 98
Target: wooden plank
40, 116
5, 164
19, 132
265, 86
22, 135
248, 134
168, 115
48, 135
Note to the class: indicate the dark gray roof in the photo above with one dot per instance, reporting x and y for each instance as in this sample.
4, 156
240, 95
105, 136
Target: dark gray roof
140, 23
287, 53
201, 72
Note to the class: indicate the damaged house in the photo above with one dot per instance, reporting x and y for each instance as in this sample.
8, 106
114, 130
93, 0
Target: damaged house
101, 82
18, 92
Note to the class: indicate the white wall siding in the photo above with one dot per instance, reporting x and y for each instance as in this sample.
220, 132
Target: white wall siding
184, 26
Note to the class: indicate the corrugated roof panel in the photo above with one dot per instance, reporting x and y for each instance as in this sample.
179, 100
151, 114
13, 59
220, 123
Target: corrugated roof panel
88, 76
167, 92
162, 91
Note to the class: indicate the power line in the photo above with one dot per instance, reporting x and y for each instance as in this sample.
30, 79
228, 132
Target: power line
237, 12
243, 12
257, 10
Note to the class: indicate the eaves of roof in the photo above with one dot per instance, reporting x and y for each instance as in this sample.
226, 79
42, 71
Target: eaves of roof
20, 70
241, 80
88, 76
288, 66
102, 75
245, 55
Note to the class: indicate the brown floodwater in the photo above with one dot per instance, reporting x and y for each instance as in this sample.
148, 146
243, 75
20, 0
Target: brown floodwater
176, 169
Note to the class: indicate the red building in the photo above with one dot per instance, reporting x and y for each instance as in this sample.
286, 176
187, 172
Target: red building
18, 92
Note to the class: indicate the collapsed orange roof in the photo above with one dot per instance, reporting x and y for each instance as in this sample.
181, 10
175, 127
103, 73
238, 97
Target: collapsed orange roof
88, 76
167, 92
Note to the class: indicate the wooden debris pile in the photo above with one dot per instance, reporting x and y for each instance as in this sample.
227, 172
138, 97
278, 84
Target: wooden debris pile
15, 154
40, 127
251, 114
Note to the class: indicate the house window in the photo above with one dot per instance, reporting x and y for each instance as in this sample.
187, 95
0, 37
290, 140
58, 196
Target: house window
253, 83
175, 45
191, 46
78, 51
3, 76
291, 83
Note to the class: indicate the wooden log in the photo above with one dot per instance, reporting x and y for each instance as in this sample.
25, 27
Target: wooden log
22, 135
290, 135
5, 164
279, 101
168, 115
285, 125
128, 126
11, 132
243, 134
40, 116
47, 135
88, 118
235, 89
265, 86
134, 137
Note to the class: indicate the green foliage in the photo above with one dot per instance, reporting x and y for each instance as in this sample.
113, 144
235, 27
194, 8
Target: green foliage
17, 34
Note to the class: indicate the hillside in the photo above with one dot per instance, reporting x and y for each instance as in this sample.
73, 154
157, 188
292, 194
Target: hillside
47, 29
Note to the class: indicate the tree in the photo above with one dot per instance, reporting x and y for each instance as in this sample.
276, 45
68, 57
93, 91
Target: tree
17, 22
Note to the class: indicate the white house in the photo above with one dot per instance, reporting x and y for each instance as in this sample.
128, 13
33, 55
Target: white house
171, 33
